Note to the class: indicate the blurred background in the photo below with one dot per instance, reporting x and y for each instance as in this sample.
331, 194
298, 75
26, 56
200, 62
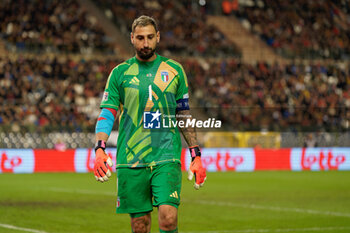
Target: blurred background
275, 72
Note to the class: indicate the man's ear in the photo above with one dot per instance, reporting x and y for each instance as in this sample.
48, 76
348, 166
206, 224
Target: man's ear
132, 38
158, 37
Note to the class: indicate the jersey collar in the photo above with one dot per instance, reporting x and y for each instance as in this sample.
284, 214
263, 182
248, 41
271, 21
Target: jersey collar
148, 63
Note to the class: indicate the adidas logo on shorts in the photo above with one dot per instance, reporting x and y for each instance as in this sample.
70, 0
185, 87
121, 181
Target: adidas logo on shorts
174, 195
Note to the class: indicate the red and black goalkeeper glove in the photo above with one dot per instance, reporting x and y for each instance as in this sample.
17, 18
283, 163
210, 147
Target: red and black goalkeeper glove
196, 168
103, 163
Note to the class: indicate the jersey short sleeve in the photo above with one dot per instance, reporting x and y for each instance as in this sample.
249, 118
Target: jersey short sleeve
111, 95
182, 90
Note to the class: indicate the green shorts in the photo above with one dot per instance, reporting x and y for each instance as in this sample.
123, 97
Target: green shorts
139, 189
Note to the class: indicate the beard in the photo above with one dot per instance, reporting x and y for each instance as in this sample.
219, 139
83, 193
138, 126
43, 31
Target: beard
145, 53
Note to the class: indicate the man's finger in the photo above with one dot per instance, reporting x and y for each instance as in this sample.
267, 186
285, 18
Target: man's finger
201, 185
108, 174
104, 169
200, 178
199, 182
103, 175
95, 175
100, 175
109, 162
190, 174
196, 186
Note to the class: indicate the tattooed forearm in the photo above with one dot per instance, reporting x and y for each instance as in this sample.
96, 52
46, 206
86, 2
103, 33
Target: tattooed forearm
189, 133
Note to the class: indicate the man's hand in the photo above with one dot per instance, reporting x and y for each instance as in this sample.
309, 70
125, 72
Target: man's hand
102, 164
196, 168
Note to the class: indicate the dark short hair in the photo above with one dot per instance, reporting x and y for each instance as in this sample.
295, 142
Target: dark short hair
143, 21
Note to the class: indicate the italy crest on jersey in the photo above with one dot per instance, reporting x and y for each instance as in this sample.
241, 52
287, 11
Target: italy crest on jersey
165, 76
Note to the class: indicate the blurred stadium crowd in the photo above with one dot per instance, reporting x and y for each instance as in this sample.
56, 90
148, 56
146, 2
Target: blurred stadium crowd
49, 94
58, 26
55, 92
183, 28
272, 97
299, 28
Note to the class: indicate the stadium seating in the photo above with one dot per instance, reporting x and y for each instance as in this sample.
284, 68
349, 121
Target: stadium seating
51, 94
306, 29
179, 26
272, 97
58, 26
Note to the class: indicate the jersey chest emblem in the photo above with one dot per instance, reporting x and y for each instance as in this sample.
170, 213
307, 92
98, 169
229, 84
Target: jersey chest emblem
164, 76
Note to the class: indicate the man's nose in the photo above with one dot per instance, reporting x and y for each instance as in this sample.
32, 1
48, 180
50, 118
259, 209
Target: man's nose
145, 43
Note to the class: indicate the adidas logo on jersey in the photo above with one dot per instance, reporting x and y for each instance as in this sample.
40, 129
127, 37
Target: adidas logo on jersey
174, 195
134, 80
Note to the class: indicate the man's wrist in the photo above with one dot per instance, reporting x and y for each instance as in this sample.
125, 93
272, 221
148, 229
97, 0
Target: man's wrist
194, 152
100, 144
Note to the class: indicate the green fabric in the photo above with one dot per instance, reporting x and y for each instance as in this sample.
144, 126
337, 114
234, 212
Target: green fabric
137, 215
128, 89
139, 189
173, 231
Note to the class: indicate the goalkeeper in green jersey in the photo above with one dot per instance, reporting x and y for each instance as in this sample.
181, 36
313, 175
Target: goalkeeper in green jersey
148, 90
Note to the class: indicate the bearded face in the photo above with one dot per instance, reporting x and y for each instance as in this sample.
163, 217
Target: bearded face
145, 41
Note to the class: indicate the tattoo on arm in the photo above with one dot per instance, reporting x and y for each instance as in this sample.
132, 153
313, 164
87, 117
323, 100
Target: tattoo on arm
189, 133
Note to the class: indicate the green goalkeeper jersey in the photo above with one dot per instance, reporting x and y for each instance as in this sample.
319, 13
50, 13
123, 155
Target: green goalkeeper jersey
146, 95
